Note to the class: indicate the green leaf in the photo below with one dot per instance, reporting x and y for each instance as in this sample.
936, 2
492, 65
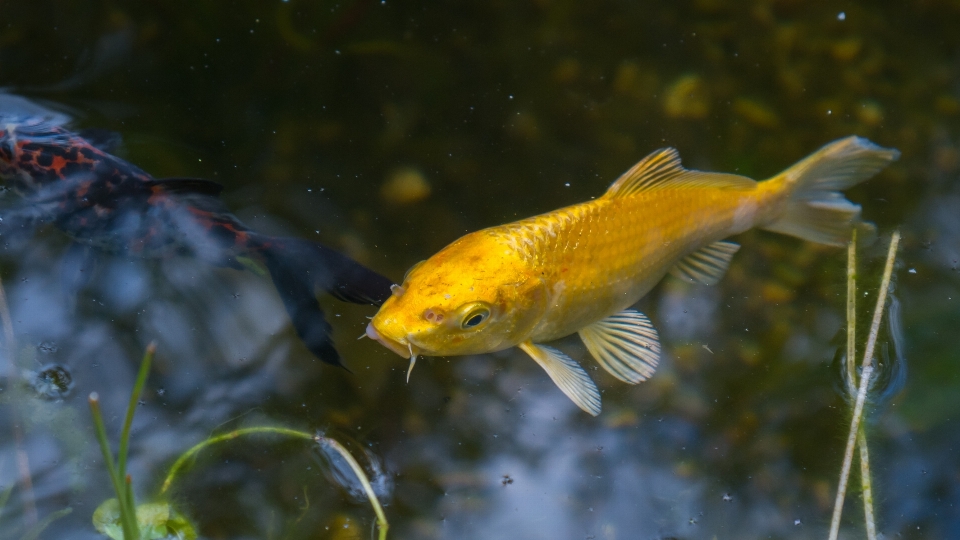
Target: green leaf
156, 521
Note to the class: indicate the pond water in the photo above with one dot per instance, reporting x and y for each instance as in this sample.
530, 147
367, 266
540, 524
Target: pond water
387, 130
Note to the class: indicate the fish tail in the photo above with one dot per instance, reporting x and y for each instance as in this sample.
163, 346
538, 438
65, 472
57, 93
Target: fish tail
810, 204
298, 268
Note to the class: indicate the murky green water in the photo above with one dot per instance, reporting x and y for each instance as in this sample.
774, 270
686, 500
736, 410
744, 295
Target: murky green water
305, 111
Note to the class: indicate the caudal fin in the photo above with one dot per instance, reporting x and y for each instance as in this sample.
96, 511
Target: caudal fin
815, 208
299, 268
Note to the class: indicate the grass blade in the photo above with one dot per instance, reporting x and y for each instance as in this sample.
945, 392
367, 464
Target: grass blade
364, 481
848, 454
857, 436
4, 497
186, 456
101, 430
23, 461
852, 313
132, 408
35, 531
382, 523
128, 517
881, 299
866, 485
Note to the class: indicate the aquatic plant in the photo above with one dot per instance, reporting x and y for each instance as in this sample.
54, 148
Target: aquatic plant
120, 513
857, 437
37, 526
122, 519
324, 442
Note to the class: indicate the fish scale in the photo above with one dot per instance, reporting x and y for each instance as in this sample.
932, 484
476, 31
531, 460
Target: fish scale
638, 238
104, 202
580, 268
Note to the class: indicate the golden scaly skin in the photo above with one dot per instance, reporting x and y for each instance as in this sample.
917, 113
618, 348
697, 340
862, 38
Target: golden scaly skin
608, 253
546, 277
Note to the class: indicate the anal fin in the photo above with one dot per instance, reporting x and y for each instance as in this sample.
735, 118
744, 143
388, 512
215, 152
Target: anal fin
706, 265
567, 375
625, 344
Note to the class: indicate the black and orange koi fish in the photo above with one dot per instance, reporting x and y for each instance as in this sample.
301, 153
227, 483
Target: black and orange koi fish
110, 204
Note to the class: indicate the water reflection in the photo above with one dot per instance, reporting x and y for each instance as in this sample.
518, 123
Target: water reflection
105, 203
499, 108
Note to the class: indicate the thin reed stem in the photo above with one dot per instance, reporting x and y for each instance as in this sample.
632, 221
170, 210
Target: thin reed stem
881, 300
357, 470
37, 529
132, 408
866, 485
866, 481
5, 495
128, 516
9, 340
382, 523
23, 461
848, 454
857, 435
852, 313
181, 461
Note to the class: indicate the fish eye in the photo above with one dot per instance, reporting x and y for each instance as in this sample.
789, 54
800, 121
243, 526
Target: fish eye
475, 318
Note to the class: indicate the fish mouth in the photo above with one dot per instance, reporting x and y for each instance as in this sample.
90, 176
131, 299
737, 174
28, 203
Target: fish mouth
402, 346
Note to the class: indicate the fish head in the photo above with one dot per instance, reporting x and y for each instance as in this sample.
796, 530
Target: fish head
472, 297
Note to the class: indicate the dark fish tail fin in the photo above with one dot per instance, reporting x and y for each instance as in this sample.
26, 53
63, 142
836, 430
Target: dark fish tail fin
814, 208
299, 268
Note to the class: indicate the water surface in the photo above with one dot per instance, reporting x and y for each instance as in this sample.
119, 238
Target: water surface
305, 111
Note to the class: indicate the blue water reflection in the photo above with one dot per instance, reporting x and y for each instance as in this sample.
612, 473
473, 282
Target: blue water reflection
306, 113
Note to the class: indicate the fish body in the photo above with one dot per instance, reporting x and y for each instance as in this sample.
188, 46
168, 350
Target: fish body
109, 204
579, 269
105, 202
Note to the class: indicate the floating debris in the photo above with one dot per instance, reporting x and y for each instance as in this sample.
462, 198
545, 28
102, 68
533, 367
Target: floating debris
870, 113
405, 185
52, 382
687, 98
756, 113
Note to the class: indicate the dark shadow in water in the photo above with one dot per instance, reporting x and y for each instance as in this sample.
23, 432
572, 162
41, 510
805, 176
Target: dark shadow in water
307, 110
103, 202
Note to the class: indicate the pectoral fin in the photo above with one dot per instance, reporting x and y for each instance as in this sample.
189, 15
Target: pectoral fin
625, 344
706, 265
568, 375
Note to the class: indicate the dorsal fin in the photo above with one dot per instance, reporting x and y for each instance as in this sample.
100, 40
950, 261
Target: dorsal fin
188, 186
662, 169
102, 139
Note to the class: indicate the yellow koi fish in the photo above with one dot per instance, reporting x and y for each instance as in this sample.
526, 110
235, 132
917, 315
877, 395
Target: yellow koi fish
580, 268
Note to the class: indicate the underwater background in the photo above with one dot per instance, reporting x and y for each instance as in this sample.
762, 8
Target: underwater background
387, 129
